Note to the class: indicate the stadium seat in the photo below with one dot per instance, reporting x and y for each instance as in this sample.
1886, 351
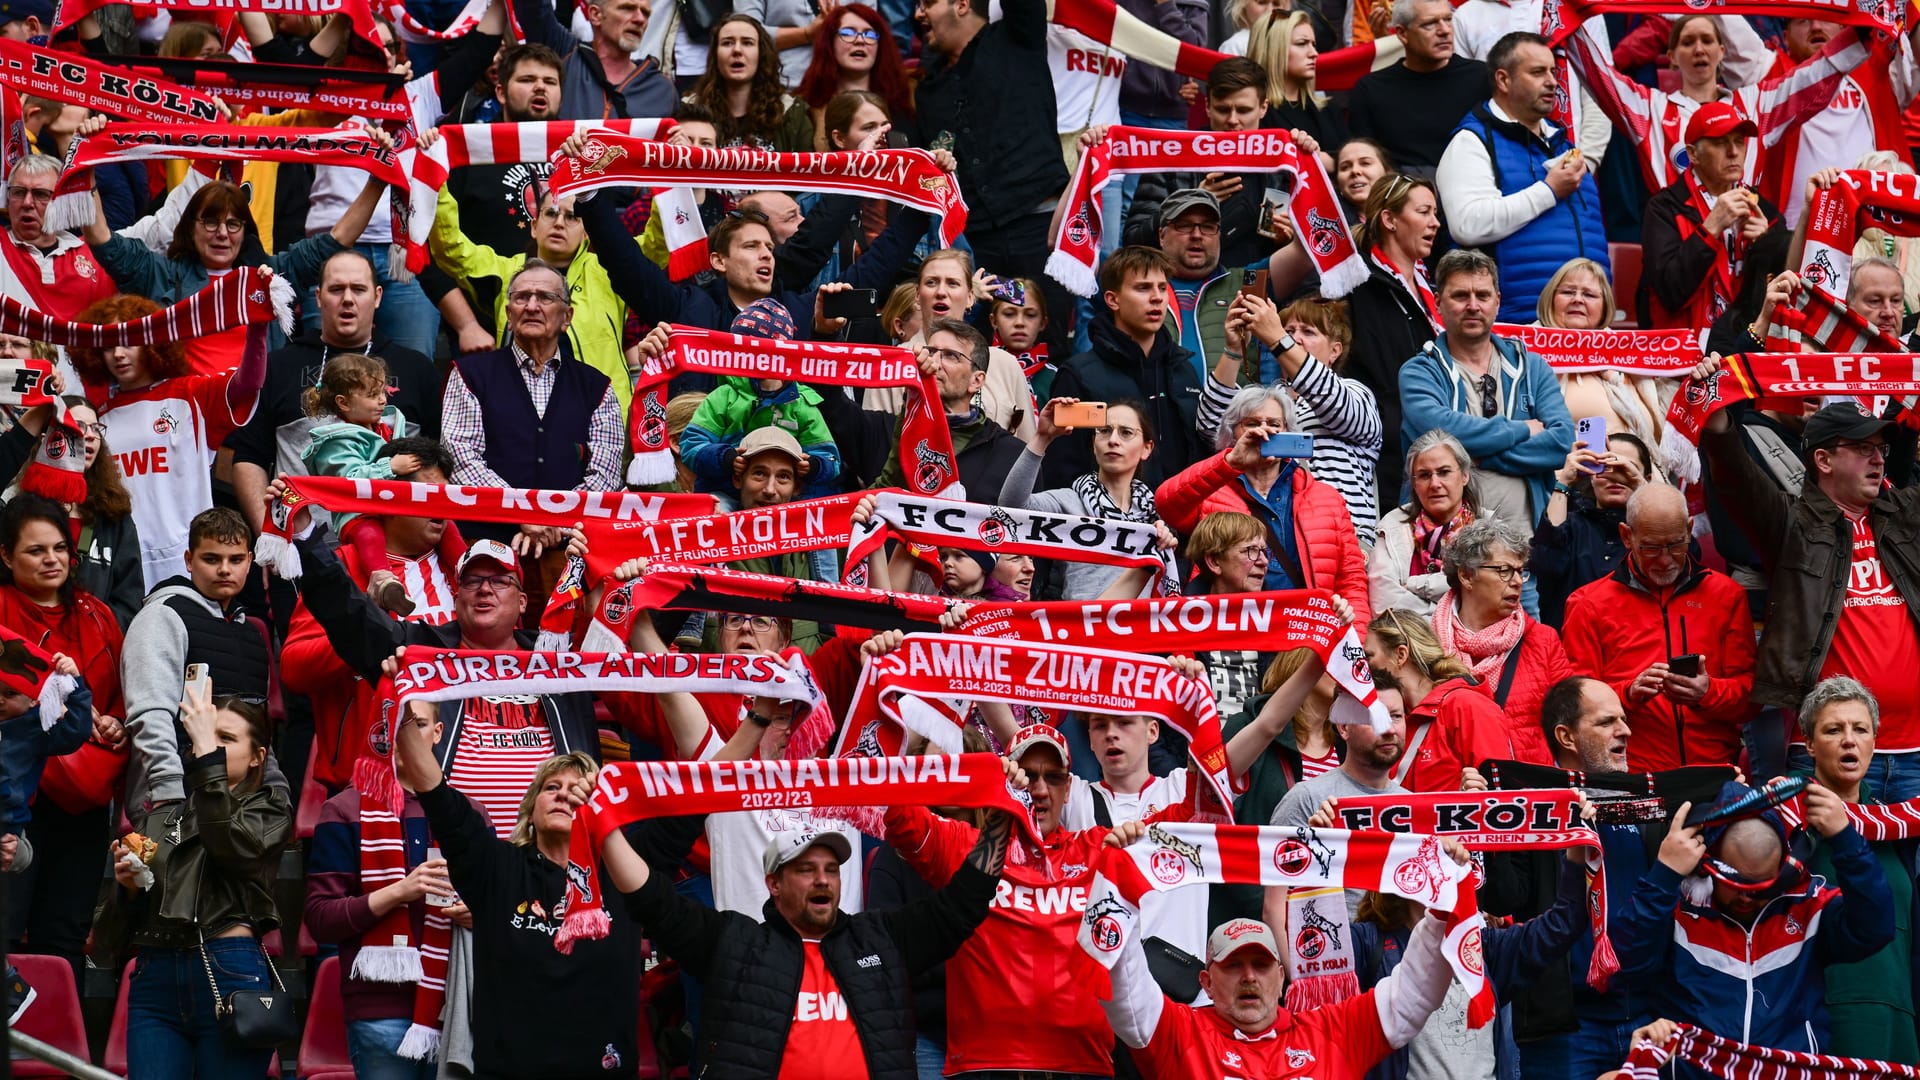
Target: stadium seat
115, 1058
1625, 259
323, 1045
313, 796
54, 1017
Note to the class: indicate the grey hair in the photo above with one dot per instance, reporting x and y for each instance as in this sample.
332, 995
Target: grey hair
1434, 440
1883, 161
1248, 399
1473, 544
1403, 13
1835, 691
566, 289
34, 164
1872, 261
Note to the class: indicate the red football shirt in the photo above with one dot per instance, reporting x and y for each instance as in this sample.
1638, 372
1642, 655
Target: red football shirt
1336, 1042
1875, 643
822, 1044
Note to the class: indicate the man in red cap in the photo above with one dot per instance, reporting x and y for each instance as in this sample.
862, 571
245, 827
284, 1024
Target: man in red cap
1697, 230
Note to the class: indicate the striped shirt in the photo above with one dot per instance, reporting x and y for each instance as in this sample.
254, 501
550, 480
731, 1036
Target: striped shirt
1343, 419
503, 740
427, 586
1311, 767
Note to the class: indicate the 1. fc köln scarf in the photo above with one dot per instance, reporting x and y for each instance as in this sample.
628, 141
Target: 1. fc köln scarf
1756, 376
389, 953
1725, 1057
248, 86
1403, 864
359, 16
808, 525
1317, 218
58, 467
75, 79
27, 670
926, 443
1560, 18
908, 177
631, 791
680, 226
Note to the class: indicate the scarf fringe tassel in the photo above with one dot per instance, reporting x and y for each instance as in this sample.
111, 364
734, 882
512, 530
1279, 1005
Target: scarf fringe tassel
590, 923
421, 1043
387, 964
650, 467
53, 698
1320, 991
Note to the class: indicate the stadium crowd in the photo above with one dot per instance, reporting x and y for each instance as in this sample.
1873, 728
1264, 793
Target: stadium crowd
1540, 441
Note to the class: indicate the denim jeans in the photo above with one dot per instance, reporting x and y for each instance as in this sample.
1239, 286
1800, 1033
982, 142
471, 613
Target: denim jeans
1765, 737
372, 1045
1891, 778
1578, 1055
929, 1057
405, 315
172, 1033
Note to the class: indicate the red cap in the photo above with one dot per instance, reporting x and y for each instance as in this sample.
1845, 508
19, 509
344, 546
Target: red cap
1717, 120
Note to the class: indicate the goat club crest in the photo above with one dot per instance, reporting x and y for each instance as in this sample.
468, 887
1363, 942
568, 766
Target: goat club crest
597, 157
1323, 232
1103, 923
931, 468
1169, 864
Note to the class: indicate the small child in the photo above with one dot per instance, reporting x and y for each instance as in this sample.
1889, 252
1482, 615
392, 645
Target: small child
740, 405
25, 746
1019, 318
353, 388
968, 575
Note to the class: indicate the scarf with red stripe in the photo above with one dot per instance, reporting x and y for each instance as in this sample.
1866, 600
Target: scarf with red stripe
1106, 23
76, 79
26, 669
1835, 216
1314, 210
908, 177
249, 87
1818, 321
631, 791
1725, 1057
359, 16
389, 953
926, 443
1760, 376
1654, 353
246, 296
414, 32
58, 467
1339, 69
1403, 864
1560, 18
1419, 288
681, 228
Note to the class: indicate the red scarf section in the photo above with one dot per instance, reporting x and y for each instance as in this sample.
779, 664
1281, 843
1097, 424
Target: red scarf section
926, 443
908, 177
26, 669
1560, 18
631, 791
1501, 821
1836, 216
1758, 376
1724, 1057
1656, 353
68, 12
390, 955
58, 467
1819, 321
1107, 23
248, 295
808, 525
250, 87
1711, 297
1314, 210
75, 79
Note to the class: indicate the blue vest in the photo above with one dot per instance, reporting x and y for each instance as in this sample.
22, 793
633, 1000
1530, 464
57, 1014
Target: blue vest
1571, 230
526, 449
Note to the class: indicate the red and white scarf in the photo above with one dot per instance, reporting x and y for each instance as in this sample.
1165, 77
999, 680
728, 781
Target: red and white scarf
1339, 69
414, 32
1816, 320
807, 525
248, 295
1757, 376
247, 86
631, 791
908, 177
1418, 288
76, 79
1108, 24
1658, 354
1725, 1057
58, 468
1483, 650
681, 228
1560, 18
1402, 864
926, 443
68, 12
1835, 217
388, 953
1315, 211
26, 669
1711, 297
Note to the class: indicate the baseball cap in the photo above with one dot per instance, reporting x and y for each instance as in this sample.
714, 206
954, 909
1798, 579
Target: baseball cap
790, 845
1840, 420
488, 549
17, 10
1717, 120
765, 317
1236, 934
1038, 735
760, 440
1184, 200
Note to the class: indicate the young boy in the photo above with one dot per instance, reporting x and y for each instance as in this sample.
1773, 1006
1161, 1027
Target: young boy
737, 406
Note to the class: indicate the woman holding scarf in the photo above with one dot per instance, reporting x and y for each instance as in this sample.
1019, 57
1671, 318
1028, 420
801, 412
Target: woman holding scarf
1404, 565
1393, 313
1515, 657
107, 547
1113, 491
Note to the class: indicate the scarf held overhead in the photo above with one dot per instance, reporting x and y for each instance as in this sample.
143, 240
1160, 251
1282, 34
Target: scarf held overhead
926, 443
358, 15
908, 177
1654, 353
1403, 864
631, 791
1560, 18
1318, 221
75, 79
250, 87
248, 295
1725, 1057
1835, 216
1761, 376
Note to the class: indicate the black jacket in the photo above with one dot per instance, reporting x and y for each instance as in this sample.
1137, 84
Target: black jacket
1389, 327
1677, 258
295, 366
1114, 368
993, 106
751, 971
1586, 547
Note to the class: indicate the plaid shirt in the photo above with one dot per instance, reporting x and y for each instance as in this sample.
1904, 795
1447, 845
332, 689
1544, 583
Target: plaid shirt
463, 427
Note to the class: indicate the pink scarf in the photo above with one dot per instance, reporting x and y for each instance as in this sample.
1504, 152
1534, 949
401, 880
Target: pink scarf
1483, 650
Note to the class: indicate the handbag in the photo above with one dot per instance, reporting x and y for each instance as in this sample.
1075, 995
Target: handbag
261, 1019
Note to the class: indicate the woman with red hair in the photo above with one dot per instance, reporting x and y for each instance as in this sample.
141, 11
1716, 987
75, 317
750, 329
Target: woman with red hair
165, 424
854, 50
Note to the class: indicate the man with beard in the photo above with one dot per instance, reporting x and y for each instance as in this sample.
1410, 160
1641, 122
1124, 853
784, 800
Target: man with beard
1367, 768
600, 81
1671, 637
498, 202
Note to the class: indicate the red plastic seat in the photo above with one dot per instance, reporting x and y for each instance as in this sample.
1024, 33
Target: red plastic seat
313, 796
323, 1046
54, 1017
308, 946
1625, 260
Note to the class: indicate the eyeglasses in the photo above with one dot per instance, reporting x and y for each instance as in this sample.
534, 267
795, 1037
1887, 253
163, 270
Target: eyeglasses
1199, 228
1509, 574
1254, 553
543, 297
98, 427
951, 356
1678, 547
759, 624
1489, 396
1124, 433
1870, 451
30, 194
554, 213
493, 583
1052, 777
848, 33
232, 225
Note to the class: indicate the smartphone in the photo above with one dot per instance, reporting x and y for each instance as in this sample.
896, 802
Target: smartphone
433, 899
1688, 666
1009, 290
850, 304
1253, 283
1286, 444
1272, 202
1593, 431
1083, 414
199, 683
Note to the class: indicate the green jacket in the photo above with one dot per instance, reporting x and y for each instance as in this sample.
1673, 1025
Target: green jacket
736, 407
343, 449
599, 315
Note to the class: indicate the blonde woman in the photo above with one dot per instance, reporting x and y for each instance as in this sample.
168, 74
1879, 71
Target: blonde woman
1243, 14
1283, 44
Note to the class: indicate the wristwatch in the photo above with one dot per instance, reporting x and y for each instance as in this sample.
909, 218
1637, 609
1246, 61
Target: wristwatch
1560, 488
1286, 344
763, 721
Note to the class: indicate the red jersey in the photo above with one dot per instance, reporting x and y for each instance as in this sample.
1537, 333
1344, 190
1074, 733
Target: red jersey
822, 1044
1333, 1042
1023, 970
1875, 643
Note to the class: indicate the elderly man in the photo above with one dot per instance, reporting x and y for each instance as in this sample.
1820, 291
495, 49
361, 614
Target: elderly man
529, 415
1671, 637
1699, 228
1499, 399
48, 271
601, 81
1842, 570
1726, 919
1514, 184
1413, 106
